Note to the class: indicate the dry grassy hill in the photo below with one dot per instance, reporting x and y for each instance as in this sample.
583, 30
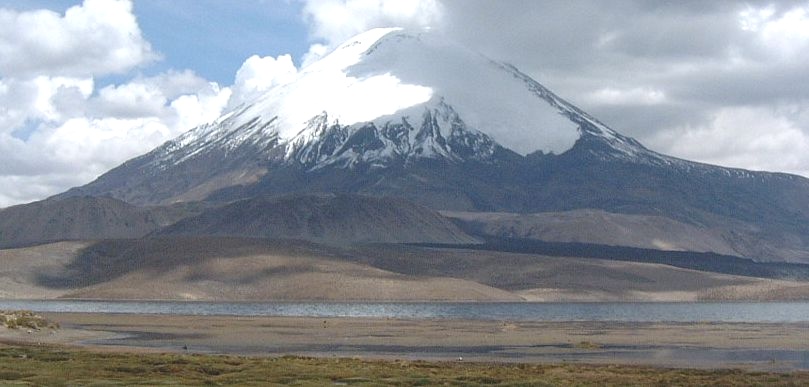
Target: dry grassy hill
221, 268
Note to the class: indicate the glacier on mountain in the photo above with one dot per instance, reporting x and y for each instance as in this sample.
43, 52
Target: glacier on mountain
390, 80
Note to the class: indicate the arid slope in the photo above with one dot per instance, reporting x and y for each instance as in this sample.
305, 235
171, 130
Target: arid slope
217, 268
324, 218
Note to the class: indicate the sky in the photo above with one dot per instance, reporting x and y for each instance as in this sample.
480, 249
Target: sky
86, 85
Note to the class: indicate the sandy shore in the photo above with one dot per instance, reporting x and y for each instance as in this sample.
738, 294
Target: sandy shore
704, 345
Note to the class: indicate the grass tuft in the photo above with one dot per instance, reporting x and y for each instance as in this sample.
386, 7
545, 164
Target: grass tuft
587, 345
25, 319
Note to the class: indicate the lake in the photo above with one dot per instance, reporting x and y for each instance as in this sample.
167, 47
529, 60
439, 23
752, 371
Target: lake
752, 312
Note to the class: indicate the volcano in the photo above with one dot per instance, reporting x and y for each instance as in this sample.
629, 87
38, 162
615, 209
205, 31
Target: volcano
411, 114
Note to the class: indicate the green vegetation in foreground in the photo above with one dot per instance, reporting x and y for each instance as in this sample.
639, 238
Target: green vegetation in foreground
56, 366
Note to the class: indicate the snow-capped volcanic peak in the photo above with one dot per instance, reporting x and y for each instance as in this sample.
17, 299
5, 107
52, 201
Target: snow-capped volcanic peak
384, 75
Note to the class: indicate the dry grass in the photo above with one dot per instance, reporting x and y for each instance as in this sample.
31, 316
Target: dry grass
587, 345
24, 319
55, 366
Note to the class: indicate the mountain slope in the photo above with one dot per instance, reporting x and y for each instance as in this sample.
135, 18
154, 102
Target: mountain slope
596, 227
325, 218
80, 218
408, 114
386, 98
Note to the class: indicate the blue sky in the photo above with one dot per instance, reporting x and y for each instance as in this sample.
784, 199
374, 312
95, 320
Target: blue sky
722, 82
212, 37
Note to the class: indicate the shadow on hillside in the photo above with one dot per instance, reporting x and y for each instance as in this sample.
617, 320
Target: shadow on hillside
110, 259
710, 262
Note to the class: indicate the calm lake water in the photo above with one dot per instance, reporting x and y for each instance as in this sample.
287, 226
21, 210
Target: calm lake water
776, 312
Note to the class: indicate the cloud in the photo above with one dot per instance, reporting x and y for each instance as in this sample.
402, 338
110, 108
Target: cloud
21, 189
334, 21
156, 97
25, 103
76, 143
663, 71
758, 138
96, 38
134, 99
784, 34
258, 74
634, 96
58, 128
71, 153
316, 51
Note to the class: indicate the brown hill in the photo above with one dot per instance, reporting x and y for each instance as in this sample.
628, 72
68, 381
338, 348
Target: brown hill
324, 218
80, 218
217, 268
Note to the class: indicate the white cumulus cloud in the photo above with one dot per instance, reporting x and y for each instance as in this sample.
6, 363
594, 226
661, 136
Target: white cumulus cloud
334, 21
258, 74
97, 37
58, 129
118, 123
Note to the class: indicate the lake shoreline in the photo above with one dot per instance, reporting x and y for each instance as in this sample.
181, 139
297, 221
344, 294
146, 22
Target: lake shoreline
680, 312
753, 346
